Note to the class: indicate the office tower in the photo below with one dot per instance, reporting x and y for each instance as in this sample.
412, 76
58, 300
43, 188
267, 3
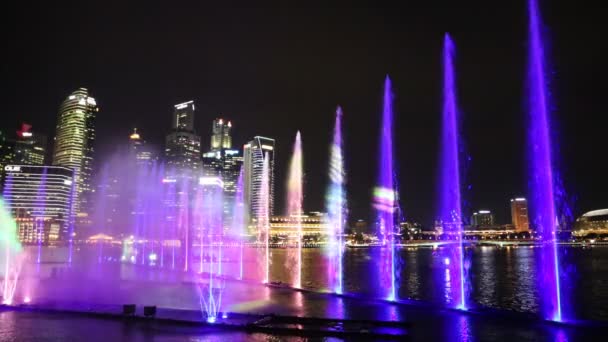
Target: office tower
74, 146
225, 163
254, 153
482, 218
30, 147
519, 214
183, 117
140, 150
40, 200
7, 154
182, 145
220, 135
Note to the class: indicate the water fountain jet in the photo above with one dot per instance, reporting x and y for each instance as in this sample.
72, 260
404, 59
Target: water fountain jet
385, 198
294, 211
336, 207
541, 169
450, 202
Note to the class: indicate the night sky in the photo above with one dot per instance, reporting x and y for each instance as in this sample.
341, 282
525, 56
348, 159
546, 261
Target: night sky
275, 69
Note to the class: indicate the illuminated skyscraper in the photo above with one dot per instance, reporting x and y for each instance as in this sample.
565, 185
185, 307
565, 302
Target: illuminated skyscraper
519, 214
225, 163
140, 150
253, 163
30, 147
40, 200
482, 218
182, 145
7, 155
74, 140
220, 136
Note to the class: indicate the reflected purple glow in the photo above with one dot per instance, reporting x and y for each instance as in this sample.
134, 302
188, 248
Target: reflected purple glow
541, 176
450, 202
385, 197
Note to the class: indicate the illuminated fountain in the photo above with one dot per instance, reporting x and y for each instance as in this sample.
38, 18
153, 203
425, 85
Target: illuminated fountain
336, 208
263, 222
541, 170
240, 219
450, 212
208, 225
294, 210
385, 200
11, 252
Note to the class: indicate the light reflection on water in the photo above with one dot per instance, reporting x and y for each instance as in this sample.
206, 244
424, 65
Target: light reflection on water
500, 277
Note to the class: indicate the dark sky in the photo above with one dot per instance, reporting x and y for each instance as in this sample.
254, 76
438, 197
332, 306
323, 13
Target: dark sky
275, 69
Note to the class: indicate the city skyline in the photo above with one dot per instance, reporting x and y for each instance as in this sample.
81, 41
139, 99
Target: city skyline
274, 99
220, 137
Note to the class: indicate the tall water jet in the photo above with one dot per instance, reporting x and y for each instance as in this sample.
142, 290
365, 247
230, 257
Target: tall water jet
263, 220
385, 198
294, 210
11, 265
450, 212
239, 219
209, 225
336, 207
541, 169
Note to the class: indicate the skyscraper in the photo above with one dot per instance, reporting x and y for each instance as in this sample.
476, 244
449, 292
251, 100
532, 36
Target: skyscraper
30, 147
182, 145
40, 200
140, 150
220, 136
74, 146
519, 214
225, 163
254, 153
7, 155
482, 218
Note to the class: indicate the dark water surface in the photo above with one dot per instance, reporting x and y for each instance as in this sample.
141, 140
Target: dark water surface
502, 278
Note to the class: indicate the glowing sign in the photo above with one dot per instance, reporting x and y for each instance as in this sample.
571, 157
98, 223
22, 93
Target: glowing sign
12, 168
169, 180
26, 134
67, 182
184, 105
267, 147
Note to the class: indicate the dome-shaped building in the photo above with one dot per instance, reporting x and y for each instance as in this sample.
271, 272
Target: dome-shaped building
592, 222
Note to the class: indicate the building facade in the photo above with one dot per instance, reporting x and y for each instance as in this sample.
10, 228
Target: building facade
592, 222
40, 200
254, 153
482, 218
140, 150
224, 162
182, 145
74, 146
30, 147
519, 214
220, 135
314, 223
